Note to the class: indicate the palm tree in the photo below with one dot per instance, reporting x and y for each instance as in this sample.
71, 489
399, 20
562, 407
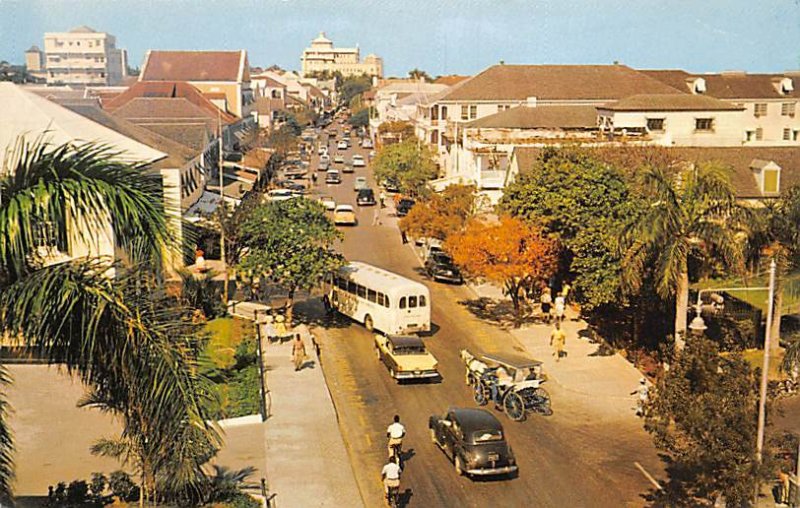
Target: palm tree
118, 341
688, 216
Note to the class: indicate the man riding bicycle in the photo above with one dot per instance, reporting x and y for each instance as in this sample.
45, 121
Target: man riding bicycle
395, 432
391, 478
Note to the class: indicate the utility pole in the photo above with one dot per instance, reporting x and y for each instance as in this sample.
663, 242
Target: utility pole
222, 213
762, 400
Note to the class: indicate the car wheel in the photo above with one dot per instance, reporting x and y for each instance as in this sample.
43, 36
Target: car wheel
368, 324
459, 464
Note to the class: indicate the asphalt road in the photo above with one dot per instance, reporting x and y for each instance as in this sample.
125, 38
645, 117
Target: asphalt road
576, 457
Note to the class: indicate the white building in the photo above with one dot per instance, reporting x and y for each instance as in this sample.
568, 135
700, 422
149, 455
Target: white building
84, 56
322, 56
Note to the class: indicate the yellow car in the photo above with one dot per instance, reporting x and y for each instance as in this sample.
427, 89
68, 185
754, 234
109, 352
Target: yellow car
344, 215
406, 357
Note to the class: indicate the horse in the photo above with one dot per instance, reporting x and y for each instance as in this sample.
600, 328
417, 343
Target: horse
473, 365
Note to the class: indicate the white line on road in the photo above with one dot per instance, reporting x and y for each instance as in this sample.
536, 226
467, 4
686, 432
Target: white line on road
648, 476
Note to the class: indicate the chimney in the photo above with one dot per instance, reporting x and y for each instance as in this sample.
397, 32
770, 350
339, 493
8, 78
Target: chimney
530, 102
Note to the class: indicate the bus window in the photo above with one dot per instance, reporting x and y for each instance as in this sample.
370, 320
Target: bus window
362, 291
386, 301
412, 302
351, 287
422, 300
403, 302
342, 284
380, 298
371, 296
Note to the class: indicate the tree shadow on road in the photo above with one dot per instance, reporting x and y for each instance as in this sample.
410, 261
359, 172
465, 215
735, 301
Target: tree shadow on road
498, 312
311, 313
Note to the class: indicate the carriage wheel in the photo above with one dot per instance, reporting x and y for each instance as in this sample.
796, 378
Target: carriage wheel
480, 392
514, 406
541, 402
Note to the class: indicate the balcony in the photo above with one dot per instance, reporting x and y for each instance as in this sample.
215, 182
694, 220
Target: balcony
492, 179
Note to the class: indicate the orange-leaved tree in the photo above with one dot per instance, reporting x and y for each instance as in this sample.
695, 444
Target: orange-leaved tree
442, 214
509, 252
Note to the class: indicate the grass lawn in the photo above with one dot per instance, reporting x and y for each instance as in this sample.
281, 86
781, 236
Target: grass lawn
758, 298
755, 357
225, 334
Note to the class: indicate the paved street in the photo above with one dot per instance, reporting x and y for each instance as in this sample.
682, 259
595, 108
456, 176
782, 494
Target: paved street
581, 456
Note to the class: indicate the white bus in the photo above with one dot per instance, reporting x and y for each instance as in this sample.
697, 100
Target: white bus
380, 299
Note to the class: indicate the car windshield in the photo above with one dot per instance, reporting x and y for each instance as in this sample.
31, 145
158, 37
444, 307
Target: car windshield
486, 436
409, 350
442, 258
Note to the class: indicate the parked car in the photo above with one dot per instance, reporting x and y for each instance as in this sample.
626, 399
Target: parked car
295, 172
473, 439
404, 206
347, 141
338, 159
324, 165
342, 145
333, 176
367, 143
344, 215
348, 169
328, 203
440, 268
360, 183
406, 357
365, 197
358, 161
322, 150
281, 195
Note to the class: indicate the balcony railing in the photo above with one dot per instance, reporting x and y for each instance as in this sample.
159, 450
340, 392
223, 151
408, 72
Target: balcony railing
493, 179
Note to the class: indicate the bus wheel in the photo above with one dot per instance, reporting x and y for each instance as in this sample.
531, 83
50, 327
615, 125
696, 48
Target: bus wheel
368, 323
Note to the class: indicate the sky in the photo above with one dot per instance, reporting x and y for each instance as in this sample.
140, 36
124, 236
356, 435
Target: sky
438, 36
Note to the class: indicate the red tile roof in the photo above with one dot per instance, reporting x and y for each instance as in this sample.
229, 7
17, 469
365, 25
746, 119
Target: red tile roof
169, 90
194, 66
556, 82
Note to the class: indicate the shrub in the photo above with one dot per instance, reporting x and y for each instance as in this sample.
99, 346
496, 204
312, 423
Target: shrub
98, 484
123, 487
77, 492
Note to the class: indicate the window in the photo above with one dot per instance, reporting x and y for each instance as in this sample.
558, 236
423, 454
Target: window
503, 107
759, 134
362, 291
787, 109
473, 112
372, 296
787, 134
760, 109
749, 135
435, 113
443, 116
381, 299
795, 135
434, 137
412, 302
770, 181
704, 124
465, 112
386, 301
655, 124
351, 287
422, 300
403, 302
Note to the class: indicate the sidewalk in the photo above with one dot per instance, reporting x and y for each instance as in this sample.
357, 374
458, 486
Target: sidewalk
307, 463
607, 378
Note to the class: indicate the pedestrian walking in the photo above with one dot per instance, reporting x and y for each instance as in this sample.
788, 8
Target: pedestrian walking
558, 340
383, 199
565, 289
314, 178
642, 393
784, 486
376, 217
560, 306
404, 236
546, 300
298, 352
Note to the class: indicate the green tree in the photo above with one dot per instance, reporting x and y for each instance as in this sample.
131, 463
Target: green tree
419, 74
360, 118
352, 86
703, 415
72, 312
687, 215
291, 243
586, 204
410, 164
398, 130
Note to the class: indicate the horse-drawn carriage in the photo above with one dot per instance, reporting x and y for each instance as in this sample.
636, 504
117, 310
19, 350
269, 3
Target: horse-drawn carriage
512, 382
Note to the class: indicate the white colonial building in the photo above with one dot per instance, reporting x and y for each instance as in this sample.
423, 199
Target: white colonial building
322, 56
84, 56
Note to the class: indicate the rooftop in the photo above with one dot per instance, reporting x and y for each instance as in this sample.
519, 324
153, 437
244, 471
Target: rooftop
671, 102
556, 82
729, 85
194, 66
543, 117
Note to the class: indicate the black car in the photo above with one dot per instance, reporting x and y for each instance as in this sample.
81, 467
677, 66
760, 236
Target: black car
404, 206
440, 267
474, 441
365, 197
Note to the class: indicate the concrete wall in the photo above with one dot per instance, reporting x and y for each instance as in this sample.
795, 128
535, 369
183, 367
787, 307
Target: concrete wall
679, 127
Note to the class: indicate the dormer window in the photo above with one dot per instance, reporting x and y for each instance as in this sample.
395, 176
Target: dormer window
786, 86
770, 185
768, 176
698, 86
